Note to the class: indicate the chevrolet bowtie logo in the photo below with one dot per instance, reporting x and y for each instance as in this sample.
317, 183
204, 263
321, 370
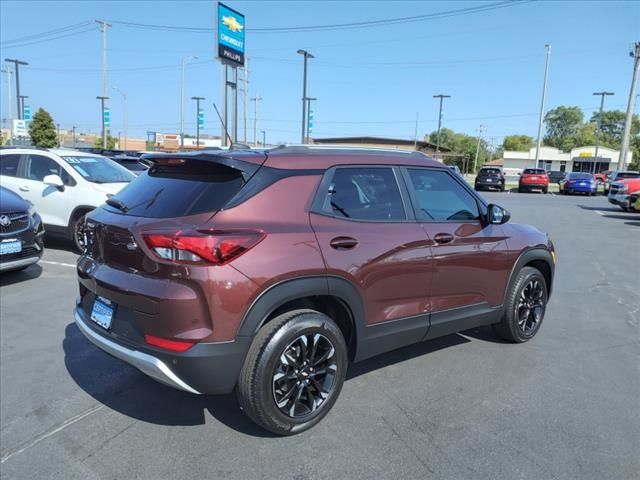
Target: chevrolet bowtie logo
232, 24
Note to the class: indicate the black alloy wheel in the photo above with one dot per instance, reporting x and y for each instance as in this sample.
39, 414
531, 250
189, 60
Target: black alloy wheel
530, 307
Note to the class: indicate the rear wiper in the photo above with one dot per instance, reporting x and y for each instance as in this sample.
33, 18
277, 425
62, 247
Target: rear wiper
119, 204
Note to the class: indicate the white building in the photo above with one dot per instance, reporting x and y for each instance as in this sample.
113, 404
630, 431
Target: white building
578, 160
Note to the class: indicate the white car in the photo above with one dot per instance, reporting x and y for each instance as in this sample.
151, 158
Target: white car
63, 185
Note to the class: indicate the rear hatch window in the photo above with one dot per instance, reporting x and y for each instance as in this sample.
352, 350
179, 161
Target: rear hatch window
181, 187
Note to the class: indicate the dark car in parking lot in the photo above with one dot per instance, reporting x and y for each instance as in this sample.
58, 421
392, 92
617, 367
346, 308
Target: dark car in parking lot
134, 164
555, 176
205, 275
21, 232
489, 178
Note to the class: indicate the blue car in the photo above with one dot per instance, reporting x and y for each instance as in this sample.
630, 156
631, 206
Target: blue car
578, 182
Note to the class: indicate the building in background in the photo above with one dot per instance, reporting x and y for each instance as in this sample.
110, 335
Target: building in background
393, 143
580, 159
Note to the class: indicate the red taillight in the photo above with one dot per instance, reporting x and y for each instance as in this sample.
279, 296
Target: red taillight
215, 247
173, 345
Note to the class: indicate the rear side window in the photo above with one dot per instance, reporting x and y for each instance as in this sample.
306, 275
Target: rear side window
364, 193
440, 197
180, 190
9, 165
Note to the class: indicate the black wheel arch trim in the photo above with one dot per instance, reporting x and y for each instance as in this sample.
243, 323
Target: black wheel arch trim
529, 255
77, 210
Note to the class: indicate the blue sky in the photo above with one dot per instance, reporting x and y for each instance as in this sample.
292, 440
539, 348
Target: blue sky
368, 81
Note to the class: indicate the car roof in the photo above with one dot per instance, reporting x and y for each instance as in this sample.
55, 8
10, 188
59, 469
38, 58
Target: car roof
305, 157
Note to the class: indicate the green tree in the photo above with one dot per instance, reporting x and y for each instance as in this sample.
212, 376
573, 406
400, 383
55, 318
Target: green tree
464, 144
42, 130
111, 142
518, 143
562, 127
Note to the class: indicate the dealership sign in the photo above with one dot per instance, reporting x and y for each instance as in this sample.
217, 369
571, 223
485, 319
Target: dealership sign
230, 36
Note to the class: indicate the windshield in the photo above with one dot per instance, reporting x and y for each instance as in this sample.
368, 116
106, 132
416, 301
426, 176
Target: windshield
99, 169
580, 176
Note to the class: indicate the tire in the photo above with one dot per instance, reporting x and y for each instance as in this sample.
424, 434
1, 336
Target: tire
606, 192
502, 188
545, 190
257, 389
529, 287
77, 232
477, 188
520, 189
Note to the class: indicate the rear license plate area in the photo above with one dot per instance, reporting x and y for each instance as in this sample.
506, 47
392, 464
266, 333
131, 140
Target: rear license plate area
102, 312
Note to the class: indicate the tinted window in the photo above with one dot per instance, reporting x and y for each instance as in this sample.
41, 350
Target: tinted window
580, 176
9, 165
180, 190
492, 171
365, 194
441, 197
535, 171
628, 175
39, 166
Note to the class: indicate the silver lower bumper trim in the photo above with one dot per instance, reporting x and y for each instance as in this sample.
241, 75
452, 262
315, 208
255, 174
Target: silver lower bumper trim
21, 262
147, 364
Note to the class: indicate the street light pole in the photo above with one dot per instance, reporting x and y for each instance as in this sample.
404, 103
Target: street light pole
475, 160
73, 130
21, 105
307, 56
602, 95
197, 99
185, 60
104, 131
309, 100
58, 129
124, 96
9, 112
544, 96
264, 139
255, 101
17, 64
441, 97
624, 148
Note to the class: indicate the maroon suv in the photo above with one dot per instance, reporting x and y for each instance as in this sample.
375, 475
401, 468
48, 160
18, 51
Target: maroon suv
269, 271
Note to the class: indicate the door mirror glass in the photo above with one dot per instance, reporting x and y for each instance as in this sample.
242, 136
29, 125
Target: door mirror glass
54, 181
497, 215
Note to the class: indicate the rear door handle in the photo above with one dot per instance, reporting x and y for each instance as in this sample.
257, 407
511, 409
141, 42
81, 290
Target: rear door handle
24, 188
343, 243
443, 238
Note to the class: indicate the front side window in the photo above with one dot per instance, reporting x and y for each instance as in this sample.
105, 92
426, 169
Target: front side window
9, 165
99, 169
441, 198
365, 193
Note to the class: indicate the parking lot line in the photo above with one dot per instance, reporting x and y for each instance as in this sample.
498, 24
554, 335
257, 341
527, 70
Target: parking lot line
58, 263
43, 436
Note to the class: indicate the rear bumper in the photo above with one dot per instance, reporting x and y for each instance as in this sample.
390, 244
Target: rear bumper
486, 184
533, 186
206, 368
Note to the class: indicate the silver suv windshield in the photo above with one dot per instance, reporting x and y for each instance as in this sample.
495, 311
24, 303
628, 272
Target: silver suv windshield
99, 169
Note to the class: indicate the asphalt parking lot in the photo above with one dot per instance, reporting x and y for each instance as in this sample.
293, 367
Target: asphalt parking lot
565, 405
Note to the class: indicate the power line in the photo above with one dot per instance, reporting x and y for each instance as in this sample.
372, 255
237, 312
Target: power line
49, 39
48, 33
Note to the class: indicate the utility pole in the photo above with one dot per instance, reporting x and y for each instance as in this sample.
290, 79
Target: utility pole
58, 129
73, 132
309, 100
255, 99
185, 60
21, 105
441, 97
197, 99
544, 96
475, 160
104, 128
307, 56
629, 117
602, 95
245, 92
17, 64
8, 71
415, 134
124, 96
103, 28
264, 139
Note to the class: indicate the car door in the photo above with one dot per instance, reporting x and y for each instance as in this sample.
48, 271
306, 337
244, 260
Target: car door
471, 263
9, 163
369, 238
50, 202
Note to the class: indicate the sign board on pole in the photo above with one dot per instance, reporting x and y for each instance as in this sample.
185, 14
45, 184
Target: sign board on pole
27, 113
201, 118
310, 128
19, 128
159, 138
107, 117
230, 36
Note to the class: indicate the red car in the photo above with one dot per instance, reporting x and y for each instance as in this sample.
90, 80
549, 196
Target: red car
620, 192
269, 272
534, 179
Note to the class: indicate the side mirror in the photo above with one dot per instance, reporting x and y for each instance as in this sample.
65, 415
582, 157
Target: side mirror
497, 215
54, 181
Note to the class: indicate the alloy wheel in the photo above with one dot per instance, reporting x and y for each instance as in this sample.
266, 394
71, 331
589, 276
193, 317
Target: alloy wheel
305, 375
530, 307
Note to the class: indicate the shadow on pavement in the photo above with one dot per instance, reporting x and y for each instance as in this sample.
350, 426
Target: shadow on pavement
54, 242
633, 224
600, 209
130, 392
29, 273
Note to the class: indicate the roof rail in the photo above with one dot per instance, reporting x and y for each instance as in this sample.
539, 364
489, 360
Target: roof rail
27, 147
338, 148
